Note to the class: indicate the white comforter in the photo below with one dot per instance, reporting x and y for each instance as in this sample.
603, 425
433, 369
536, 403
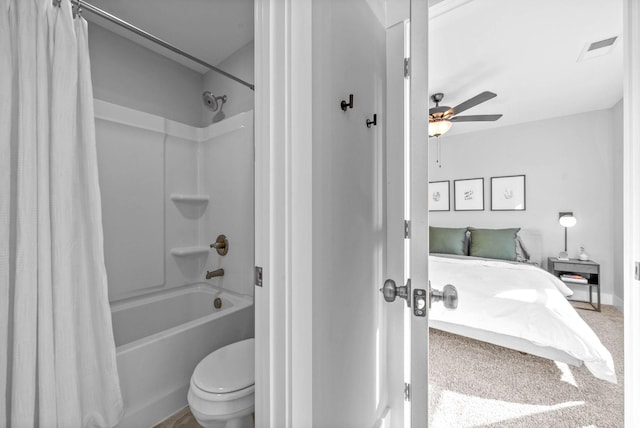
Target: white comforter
518, 300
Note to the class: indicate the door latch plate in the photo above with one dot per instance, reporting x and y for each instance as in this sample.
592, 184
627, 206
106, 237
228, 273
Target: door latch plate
419, 302
258, 276
407, 392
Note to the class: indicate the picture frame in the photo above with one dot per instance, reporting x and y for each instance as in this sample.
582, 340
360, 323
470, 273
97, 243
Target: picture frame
509, 193
438, 196
468, 194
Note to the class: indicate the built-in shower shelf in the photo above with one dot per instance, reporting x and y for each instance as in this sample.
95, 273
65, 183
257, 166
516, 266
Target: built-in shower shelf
199, 250
189, 199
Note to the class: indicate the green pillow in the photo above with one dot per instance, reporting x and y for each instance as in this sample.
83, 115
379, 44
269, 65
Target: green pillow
493, 243
448, 240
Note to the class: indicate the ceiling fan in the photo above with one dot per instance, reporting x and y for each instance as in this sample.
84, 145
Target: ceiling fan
441, 117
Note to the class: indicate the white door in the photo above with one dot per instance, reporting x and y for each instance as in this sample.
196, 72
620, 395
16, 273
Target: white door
406, 288
631, 195
329, 350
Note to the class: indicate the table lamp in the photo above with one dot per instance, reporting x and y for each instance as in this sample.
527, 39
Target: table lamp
566, 220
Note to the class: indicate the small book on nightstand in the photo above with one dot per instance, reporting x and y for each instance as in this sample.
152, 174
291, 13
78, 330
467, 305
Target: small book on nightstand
571, 277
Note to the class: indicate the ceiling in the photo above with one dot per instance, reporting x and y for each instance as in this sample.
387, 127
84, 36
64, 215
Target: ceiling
525, 51
211, 30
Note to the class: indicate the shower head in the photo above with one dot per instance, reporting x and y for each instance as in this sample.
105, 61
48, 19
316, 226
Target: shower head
211, 101
215, 104
218, 116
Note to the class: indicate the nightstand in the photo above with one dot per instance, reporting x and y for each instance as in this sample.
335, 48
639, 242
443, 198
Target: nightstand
588, 269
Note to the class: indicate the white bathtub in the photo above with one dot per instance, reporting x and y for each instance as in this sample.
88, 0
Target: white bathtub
160, 338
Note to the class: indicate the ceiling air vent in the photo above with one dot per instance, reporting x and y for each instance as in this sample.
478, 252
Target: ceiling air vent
596, 49
602, 43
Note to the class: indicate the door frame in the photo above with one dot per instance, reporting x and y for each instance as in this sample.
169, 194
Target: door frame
631, 209
406, 159
283, 212
419, 173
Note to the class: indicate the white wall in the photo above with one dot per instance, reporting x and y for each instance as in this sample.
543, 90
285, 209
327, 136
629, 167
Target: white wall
130, 75
239, 97
569, 166
348, 57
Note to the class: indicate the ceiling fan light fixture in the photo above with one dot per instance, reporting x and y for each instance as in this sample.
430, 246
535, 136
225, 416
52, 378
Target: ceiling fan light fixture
437, 128
441, 117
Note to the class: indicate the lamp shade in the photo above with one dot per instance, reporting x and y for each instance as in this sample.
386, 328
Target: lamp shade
439, 127
567, 220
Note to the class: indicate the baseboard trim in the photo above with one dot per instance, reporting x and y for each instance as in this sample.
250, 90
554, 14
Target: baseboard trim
618, 303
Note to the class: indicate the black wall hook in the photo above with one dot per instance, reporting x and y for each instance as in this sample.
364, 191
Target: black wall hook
373, 122
344, 105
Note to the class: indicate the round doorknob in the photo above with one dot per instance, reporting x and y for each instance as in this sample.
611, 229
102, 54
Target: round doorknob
389, 290
448, 296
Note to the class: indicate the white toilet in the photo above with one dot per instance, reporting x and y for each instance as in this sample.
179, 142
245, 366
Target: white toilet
221, 394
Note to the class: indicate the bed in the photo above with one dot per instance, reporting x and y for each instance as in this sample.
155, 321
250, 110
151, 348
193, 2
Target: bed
513, 304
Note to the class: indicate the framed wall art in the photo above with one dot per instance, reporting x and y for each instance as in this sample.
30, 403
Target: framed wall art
468, 194
508, 193
439, 196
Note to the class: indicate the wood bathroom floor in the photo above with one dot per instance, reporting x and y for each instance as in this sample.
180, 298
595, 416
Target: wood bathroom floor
182, 419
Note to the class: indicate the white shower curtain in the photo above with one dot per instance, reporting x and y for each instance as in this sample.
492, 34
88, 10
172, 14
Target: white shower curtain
57, 354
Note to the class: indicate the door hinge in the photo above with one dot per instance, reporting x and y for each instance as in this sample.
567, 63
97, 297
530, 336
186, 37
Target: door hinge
407, 229
258, 276
407, 392
407, 67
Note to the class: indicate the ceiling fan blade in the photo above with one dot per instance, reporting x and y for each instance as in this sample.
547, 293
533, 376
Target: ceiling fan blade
472, 102
476, 118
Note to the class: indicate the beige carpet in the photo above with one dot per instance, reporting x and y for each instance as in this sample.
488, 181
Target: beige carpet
474, 384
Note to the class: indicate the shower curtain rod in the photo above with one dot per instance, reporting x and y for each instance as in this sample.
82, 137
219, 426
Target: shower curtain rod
124, 24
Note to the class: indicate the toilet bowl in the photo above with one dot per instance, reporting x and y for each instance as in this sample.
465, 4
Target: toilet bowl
221, 392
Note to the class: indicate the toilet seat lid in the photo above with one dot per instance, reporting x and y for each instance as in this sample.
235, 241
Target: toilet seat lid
228, 369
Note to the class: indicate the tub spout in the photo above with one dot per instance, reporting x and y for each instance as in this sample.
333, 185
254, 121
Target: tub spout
214, 273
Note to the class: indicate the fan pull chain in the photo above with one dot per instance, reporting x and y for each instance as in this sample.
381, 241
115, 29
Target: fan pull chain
438, 152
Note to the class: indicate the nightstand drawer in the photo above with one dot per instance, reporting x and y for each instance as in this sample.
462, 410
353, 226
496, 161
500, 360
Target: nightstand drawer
575, 267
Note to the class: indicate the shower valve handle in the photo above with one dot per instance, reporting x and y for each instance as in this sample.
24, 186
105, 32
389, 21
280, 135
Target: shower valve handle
221, 245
